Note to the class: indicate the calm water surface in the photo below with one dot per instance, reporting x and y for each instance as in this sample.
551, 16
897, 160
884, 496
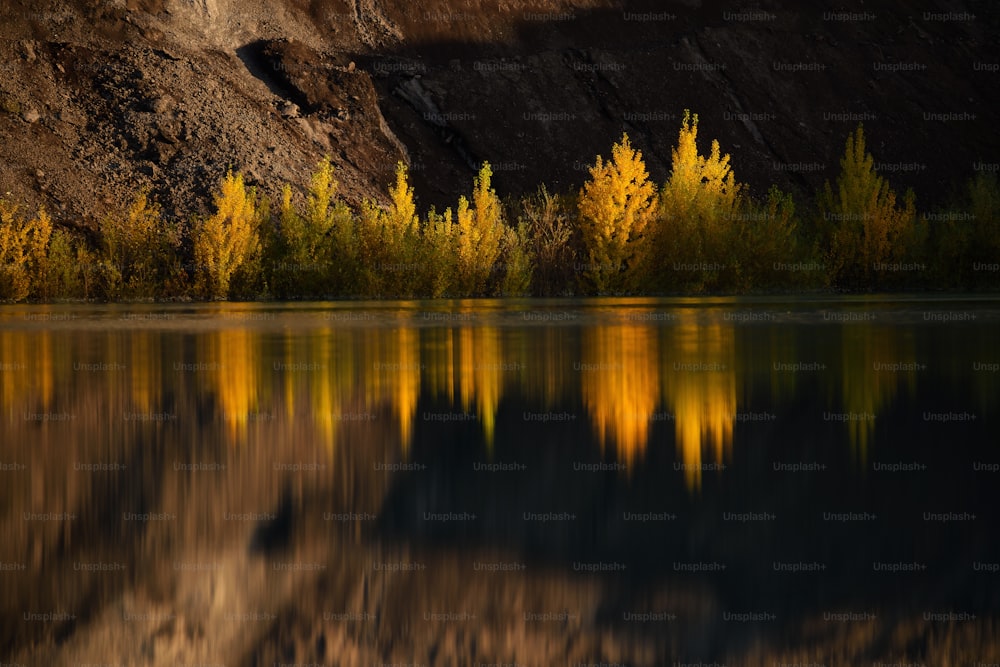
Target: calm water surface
539, 482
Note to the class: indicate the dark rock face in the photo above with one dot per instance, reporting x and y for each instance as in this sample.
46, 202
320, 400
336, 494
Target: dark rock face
167, 94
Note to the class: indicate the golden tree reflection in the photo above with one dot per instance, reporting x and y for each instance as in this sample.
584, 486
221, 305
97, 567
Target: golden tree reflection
699, 380
630, 372
620, 385
469, 365
481, 376
324, 380
390, 375
227, 366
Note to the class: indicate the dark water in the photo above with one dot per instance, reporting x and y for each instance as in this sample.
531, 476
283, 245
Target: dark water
621, 481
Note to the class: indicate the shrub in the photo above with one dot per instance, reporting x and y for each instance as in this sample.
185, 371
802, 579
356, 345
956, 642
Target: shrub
552, 243
861, 226
227, 242
24, 248
969, 237
517, 264
615, 207
765, 239
437, 254
67, 263
330, 246
983, 192
139, 251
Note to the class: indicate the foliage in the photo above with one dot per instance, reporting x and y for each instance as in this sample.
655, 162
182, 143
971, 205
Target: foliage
517, 261
966, 235
24, 249
697, 223
765, 247
68, 265
701, 232
863, 230
477, 235
390, 239
615, 206
138, 251
551, 240
438, 255
227, 242
301, 249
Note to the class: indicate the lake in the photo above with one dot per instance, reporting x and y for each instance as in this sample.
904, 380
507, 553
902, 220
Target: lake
535, 482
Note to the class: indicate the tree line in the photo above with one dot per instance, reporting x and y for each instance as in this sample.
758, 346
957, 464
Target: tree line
700, 232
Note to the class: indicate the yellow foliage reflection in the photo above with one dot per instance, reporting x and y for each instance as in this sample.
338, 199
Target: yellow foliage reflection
480, 375
620, 385
324, 379
628, 372
390, 374
699, 380
227, 367
469, 364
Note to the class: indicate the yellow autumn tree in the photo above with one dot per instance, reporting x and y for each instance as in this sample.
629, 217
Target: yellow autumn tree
616, 205
700, 186
699, 206
305, 258
389, 240
227, 241
862, 226
478, 234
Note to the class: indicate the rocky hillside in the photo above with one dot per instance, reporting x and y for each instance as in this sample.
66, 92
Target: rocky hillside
99, 99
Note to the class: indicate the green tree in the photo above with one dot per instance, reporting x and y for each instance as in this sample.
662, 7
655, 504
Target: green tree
69, 263
966, 235
766, 244
615, 207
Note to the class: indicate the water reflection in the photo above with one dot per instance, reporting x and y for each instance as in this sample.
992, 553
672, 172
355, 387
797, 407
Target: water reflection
627, 373
876, 362
313, 416
620, 383
700, 377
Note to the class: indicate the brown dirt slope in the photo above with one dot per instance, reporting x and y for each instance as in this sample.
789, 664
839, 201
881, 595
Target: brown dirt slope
100, 99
